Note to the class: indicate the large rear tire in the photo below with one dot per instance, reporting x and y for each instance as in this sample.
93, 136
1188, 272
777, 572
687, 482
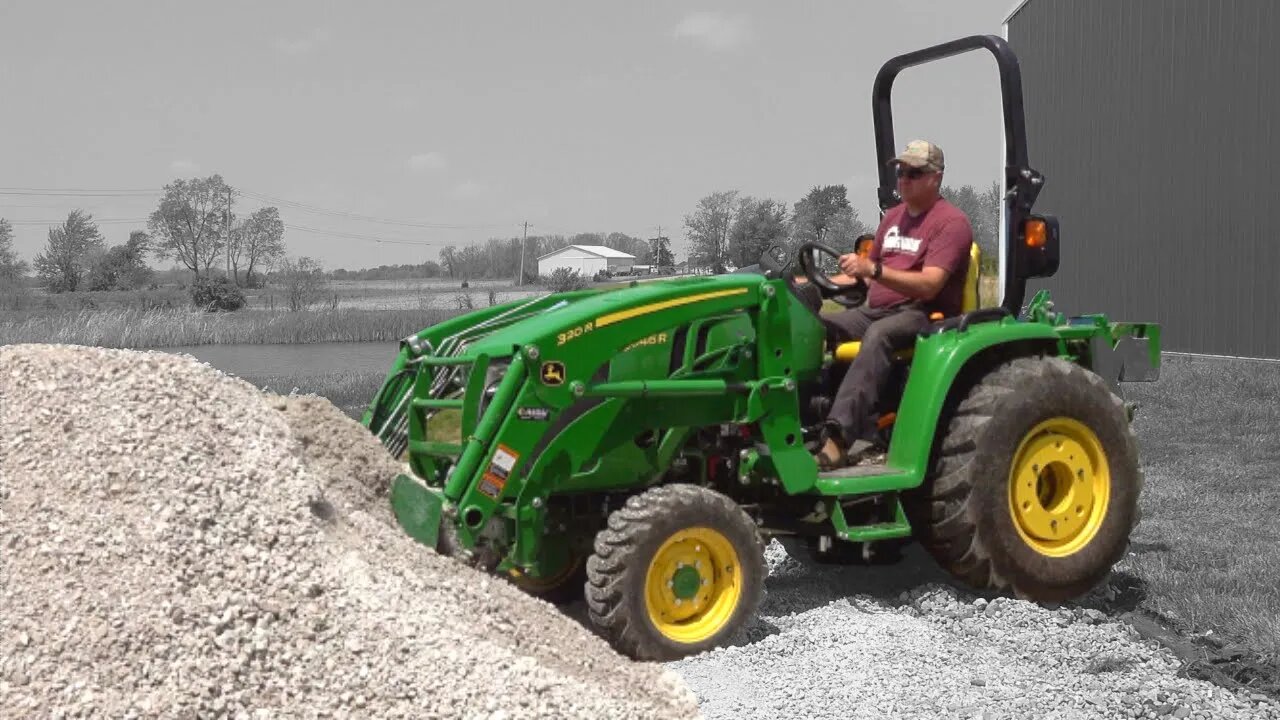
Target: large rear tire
679, 570
1035, 485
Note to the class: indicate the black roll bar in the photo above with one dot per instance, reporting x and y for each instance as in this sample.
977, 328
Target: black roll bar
1022, 183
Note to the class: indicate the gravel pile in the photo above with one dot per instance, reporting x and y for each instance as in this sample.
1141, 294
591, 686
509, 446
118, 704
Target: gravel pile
175, 544
843, 642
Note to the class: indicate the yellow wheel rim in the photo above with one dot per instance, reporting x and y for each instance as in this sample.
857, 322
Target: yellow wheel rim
1059, 487
693, 585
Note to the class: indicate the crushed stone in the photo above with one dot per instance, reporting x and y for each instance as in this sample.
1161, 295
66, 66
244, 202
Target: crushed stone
173, 543
902, 642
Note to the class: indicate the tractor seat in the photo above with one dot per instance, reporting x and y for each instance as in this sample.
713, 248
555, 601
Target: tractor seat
846, 352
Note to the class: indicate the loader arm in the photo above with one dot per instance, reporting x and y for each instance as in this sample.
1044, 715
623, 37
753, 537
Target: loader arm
567, 395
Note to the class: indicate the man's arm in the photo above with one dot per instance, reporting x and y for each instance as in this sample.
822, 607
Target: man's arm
923, 284
839, 279
946, 255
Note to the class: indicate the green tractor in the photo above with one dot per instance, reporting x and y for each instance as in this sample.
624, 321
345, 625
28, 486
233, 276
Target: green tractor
639, 445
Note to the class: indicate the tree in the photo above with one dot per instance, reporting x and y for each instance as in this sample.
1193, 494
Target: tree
303, 280
256, 242
759, 224
843, 229
190, 224
122, 267
449, 260
660, 251
68, 253
11, 268
988, 231
562, 279
708, 230
816, 212
216, 294
983, 209
631, 245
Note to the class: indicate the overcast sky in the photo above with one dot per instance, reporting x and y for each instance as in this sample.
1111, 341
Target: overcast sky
581, 116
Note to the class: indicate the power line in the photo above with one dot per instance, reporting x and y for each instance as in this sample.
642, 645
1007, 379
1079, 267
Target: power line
277, 201
357, 236
150, 191
104, 221
261, 197
55, 193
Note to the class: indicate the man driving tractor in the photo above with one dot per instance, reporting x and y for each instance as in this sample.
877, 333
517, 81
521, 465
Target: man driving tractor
917, 267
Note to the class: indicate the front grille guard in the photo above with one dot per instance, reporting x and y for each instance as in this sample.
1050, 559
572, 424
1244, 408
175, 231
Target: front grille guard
449, 380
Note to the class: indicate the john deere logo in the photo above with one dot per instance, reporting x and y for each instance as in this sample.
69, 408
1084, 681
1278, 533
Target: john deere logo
553, 372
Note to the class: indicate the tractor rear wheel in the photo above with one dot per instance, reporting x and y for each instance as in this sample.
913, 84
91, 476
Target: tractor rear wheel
678, 570
1035, 485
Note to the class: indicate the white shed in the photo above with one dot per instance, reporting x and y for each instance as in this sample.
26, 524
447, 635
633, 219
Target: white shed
586, 259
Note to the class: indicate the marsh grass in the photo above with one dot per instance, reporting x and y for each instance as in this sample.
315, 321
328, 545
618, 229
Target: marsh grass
134, 328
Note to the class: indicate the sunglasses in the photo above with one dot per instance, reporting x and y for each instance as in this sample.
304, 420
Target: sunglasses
912, 173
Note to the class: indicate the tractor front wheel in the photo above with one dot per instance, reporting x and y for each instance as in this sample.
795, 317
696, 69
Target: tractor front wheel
678, 570
1035, 486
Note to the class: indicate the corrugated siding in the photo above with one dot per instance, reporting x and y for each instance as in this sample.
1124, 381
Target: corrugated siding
1154, 124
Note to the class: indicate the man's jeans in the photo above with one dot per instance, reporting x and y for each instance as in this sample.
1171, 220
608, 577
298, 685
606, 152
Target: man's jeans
882, 331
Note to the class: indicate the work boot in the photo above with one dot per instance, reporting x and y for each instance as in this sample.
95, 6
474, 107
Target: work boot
833, 453
864, 452
832, 456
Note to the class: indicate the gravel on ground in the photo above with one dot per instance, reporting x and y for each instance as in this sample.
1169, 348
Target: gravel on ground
902, 642
175, 543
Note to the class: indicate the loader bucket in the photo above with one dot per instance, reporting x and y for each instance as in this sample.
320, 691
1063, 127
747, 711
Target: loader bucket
417, 509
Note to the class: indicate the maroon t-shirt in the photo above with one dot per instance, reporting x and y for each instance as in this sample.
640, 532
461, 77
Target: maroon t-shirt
939, 237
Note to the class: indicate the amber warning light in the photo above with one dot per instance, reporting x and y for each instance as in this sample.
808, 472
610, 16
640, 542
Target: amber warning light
1036, 233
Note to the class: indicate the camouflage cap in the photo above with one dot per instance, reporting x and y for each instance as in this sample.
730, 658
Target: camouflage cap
921, 154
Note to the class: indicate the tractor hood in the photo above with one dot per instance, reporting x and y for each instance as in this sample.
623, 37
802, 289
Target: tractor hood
578, 318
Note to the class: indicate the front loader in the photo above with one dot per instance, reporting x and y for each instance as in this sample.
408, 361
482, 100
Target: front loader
636, 447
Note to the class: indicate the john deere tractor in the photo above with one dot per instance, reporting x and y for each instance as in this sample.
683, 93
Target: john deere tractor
637, 446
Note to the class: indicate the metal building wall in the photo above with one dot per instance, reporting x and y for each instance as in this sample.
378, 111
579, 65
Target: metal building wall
1155, 124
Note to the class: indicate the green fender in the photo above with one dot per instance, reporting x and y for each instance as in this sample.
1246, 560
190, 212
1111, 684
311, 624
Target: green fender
937, 362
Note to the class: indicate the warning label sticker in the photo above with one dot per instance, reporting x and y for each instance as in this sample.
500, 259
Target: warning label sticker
504, 461
491, 485
495, 478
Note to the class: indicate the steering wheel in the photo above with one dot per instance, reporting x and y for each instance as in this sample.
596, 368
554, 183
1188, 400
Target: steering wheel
847, 295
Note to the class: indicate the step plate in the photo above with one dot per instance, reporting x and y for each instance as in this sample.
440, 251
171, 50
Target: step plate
858, 471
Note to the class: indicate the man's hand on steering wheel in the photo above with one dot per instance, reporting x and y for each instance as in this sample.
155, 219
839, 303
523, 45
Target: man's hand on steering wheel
852, 294
857, 266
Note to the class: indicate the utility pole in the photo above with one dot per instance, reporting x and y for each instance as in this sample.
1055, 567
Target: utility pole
522, 241
656, 260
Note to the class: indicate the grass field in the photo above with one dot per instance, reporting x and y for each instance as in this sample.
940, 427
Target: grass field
363, 311
353, 294
1207, 554
354, 311
134, 328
